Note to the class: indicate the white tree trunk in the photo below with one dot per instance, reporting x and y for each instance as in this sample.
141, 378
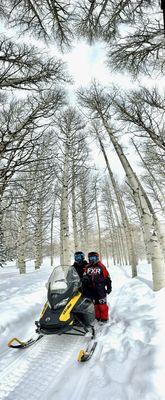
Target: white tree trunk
125, 222
147, 218
64, 215
38, 238
21, 243
112, 230
161, 234
2, 242
84, 219
116, 236
106, 253
162, 196
122, 252
98, 224
51, 234
74, 213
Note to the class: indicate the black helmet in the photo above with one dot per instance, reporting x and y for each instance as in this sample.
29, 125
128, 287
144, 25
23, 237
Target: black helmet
93, 256
79, 256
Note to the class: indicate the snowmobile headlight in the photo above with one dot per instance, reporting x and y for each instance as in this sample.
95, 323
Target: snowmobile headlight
60, 304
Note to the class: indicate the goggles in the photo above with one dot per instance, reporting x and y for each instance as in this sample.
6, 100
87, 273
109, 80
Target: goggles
93, 258
79, 257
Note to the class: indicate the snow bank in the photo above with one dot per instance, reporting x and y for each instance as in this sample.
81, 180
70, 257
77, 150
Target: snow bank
131, 364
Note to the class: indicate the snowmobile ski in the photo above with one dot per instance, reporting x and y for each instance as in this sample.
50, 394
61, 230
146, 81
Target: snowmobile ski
85, 355
16, 343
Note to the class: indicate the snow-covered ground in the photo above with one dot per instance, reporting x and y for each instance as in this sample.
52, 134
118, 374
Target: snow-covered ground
129, 360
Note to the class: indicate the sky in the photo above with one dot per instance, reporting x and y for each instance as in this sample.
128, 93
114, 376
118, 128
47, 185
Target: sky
87, 62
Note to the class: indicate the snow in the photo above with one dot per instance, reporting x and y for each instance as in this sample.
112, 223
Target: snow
128, 363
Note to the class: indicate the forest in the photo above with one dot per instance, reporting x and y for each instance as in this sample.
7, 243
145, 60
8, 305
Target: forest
54, 200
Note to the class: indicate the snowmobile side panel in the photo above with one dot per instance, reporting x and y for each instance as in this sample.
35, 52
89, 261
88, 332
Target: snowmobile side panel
78, 311
65, 315
50, 322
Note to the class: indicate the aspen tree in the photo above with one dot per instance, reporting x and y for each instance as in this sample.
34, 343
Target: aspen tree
45, 20
22, 236
140, 47
64, 212
98, 218
51, 231
111, 211
38, 236
74, 211
152, 181
96, 100
109, 227
125, 222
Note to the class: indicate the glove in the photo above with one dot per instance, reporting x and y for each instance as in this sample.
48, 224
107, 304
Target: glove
108, 285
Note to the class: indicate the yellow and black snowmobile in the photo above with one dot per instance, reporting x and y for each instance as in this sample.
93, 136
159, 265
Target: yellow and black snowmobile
67, 311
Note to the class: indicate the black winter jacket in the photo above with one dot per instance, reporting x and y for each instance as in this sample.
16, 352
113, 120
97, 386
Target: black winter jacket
96, 282
79, 267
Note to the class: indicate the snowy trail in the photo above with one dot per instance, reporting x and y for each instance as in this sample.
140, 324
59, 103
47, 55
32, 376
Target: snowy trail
34, 371
128, 363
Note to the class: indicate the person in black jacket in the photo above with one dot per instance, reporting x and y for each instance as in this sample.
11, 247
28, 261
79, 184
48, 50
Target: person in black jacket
79, 263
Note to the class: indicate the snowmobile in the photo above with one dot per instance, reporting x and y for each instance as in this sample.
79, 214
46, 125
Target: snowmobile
67, 311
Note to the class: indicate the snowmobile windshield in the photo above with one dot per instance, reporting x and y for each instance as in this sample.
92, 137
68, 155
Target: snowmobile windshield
62, 279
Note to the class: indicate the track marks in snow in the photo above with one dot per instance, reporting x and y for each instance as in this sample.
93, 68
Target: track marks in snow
33, 373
